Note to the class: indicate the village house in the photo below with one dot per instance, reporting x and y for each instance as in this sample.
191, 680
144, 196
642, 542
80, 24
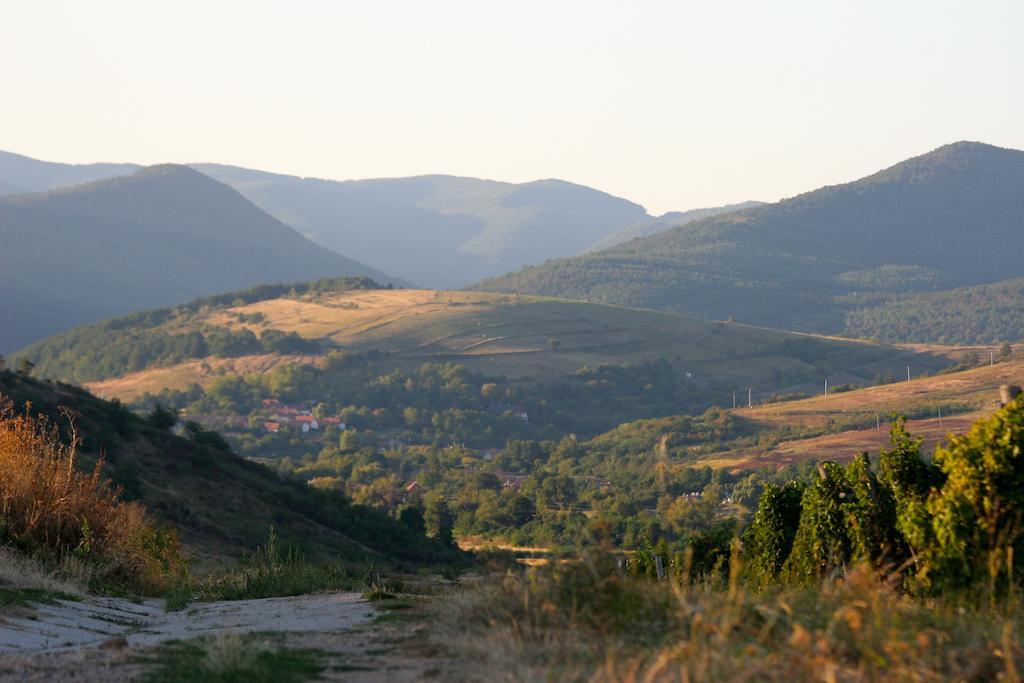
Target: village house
306, 423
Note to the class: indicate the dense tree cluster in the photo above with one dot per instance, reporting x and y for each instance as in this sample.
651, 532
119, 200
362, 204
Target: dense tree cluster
973, 315
953, 522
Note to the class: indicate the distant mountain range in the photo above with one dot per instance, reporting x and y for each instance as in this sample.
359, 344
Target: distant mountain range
21, 175
436, 231
949, 219
160, 236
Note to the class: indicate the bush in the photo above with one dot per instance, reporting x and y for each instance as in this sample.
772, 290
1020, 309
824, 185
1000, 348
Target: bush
51, 510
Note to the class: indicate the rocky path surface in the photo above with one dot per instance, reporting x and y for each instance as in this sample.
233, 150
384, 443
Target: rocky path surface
95, 622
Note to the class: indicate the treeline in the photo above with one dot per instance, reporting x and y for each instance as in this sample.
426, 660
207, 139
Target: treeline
137, 341
643, 481
932, 525
441, 403
92, 357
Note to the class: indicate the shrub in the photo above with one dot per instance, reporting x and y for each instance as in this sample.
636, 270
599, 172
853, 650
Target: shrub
52, 510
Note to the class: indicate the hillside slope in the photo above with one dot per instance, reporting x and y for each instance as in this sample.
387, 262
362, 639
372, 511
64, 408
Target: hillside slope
161, 236
222, 505
950, 218
672, 219
968, 315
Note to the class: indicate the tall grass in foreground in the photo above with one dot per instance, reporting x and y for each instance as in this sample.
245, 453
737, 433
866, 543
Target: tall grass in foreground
586, 621
54, 512
275, 571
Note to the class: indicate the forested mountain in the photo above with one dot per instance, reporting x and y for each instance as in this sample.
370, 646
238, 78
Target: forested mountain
951, 218
969, 315
438, 231
672, 219
160, 236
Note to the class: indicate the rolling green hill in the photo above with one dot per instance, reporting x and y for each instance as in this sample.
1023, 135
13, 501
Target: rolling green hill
579, 366
161, 236
950, 218
222, 505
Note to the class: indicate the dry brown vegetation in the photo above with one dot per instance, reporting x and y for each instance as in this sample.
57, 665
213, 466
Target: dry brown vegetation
587, 622
52, 510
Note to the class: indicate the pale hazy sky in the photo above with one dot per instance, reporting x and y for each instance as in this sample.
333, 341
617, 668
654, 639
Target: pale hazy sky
674, 105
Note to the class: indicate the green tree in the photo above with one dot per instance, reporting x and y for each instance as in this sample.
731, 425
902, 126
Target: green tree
439, 520
412, 517
821, 544
162, 418
769, 539
976, 515
523, 510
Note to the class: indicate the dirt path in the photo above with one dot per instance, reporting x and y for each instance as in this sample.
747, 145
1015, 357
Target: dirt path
75, 625
107, 640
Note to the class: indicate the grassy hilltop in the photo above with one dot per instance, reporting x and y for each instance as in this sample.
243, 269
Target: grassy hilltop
522, 338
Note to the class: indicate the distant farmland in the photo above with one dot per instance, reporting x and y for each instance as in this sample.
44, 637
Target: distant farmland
839, 426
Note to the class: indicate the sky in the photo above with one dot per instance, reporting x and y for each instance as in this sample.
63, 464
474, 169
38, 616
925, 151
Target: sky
674, 105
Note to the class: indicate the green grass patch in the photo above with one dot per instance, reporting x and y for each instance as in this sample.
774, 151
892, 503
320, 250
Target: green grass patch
276, 572
178, 598
231, 659
31, 596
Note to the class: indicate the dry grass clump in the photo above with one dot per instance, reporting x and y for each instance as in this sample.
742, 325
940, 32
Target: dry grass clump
51, 510
587, 622
18, 572
228, 652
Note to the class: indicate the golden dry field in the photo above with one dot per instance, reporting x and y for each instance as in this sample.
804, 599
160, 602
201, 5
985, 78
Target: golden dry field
521, 337
844, 424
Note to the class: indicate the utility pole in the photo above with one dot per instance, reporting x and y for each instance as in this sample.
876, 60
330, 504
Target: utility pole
750, 398
734, 400
826, 387
908, 373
